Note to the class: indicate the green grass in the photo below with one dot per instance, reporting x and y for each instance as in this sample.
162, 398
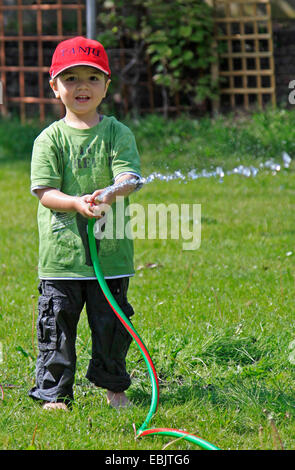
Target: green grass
218, 321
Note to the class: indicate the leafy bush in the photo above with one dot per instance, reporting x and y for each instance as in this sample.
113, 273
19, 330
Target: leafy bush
178, 40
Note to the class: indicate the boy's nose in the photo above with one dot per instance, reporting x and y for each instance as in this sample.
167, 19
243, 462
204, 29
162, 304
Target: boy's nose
82, 84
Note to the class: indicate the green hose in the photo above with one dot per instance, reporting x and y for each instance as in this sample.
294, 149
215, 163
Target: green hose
142, 431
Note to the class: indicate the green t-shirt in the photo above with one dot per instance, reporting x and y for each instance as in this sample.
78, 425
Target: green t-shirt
77, 162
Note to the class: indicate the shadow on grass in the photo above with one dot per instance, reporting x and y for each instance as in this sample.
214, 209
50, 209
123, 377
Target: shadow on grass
243, 394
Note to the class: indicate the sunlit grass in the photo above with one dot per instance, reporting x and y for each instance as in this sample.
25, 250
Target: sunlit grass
218, 321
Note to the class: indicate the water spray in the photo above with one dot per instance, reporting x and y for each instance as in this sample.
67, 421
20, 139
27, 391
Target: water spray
142, 431
218, 172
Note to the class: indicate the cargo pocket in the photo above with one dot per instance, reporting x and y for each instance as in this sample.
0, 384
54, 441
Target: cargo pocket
46, 325
119, 288
126, 306
122, 338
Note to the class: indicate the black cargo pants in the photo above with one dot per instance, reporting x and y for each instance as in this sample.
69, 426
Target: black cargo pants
60, 305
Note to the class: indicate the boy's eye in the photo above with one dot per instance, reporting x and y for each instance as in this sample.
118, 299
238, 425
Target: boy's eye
94, 78
69, 78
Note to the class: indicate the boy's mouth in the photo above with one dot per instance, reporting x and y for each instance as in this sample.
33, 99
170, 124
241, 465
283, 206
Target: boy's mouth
82, 98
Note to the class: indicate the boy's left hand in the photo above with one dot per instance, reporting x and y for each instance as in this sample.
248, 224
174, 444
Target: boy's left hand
107, 199
100, 208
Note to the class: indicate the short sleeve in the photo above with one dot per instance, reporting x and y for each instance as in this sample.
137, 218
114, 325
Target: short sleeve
45, 166
125, 153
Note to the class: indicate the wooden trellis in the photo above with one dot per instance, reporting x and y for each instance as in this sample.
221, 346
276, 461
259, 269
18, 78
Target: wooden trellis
245, 53
243, 35
34, 39
25, 27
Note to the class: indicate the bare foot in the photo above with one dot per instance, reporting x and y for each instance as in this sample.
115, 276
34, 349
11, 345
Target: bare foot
55, 406
117, 400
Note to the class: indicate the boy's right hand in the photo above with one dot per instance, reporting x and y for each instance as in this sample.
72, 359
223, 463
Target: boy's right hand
58, 201
85, 207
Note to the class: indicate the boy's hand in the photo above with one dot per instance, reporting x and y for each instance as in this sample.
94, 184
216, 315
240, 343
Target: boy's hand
123, 187
56, 200
84, 206
100, 208
108, 198
87, 208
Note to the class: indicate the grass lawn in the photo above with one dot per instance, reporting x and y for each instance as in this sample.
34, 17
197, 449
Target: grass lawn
218, 321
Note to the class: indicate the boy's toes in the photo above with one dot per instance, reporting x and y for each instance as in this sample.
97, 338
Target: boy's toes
55, 406
118, 400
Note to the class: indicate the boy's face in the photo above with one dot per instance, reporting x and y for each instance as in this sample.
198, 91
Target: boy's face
81, 89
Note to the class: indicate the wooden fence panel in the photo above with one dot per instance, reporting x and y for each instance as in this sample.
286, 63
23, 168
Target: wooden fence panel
35, 39
246, 63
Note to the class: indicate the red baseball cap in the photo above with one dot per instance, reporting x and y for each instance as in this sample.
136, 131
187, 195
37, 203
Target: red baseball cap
79, 51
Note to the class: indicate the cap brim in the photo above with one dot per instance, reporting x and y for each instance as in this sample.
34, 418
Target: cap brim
90, 64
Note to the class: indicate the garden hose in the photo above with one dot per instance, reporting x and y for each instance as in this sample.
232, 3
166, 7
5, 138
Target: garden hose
142, 431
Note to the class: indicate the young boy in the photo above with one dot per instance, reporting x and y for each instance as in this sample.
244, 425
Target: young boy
73, 161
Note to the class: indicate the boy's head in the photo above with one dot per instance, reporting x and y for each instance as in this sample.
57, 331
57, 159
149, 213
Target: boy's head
79, 51
80, 75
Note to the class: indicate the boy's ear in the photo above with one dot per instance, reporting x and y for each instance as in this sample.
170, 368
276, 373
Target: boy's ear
106, 87
53, 85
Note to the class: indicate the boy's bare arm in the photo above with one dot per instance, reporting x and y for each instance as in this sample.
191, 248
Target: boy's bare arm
56, 200
118, 189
